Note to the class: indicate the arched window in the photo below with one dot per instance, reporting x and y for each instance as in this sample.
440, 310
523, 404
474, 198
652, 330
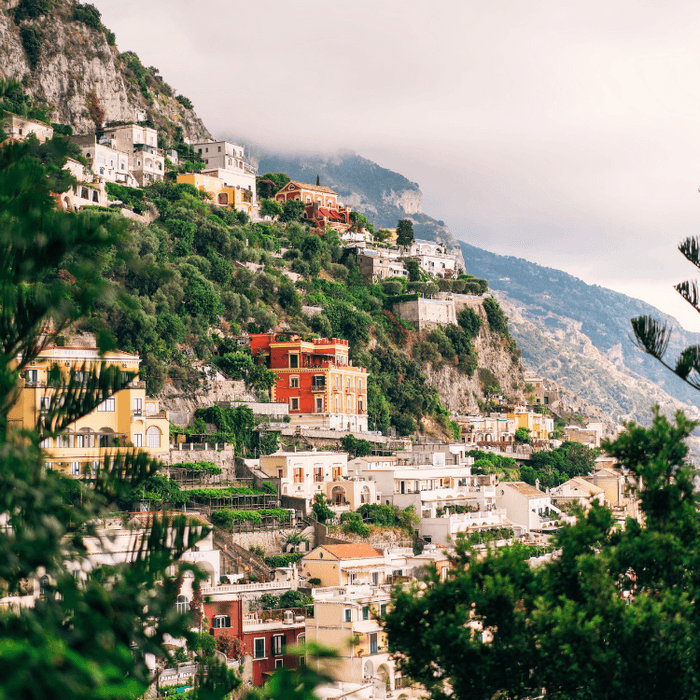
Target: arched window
182, 605
153, 437
349, 404
43, 586
221, 621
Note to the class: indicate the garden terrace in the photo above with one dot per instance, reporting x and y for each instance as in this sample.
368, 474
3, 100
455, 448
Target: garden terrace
235, 498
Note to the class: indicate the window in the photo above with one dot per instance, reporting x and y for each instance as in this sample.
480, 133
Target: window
294, 382
336, 381
294, 361
365, 612
348, 382
349, 404
75, 468
374, 578
359, 385
221, 621
259, 648
79, 441
279, 644
63, 441
46, 443
359, 404
138, 439
319, 404
31, 376
182, 605
95, 467
337, 473
294, 403
279, 663
382, 610
374, 643
153, 437
299, 475
318, 381
318, 474
348, 614
107, 406
219, 149
44, 586
337, 404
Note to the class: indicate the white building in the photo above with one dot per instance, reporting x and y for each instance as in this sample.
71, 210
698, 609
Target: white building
432, 257
19, 128
228, 161
106, 160
146, 160
529, 507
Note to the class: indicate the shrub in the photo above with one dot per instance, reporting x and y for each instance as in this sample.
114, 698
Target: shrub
185, 102
89, 15
30, 9
279, 560
208, 467
31, 41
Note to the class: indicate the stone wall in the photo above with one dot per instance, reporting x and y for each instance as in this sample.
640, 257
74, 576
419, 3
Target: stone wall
271, 541
222, 458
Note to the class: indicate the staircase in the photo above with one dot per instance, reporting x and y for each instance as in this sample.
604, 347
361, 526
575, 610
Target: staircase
235, 558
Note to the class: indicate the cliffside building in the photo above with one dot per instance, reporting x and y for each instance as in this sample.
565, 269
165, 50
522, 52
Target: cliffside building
20, 128
378, 265
220, 193
432, 257
228, 162
316, 378
106, 160
128, 418
146, 160
441, 310
322, 207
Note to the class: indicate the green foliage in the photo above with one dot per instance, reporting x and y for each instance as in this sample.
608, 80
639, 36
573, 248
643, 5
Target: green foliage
389, 516
522, 435
204, 643
498, 321
84, 638
89, 15
208, 467
270, 183
271, 207
352, 523
269, 487
132, 197
356, 447
554, 467
488, 381
157, 490
486, 536
470, 322
321, 509
31, 42
31, 9
282, 560
133, 63
404, 232
565, 628
226, 517
224, 492
185, 102
292, 210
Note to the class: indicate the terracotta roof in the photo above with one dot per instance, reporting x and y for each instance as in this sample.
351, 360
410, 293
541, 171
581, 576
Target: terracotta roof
355, 550
308, 186
580, 483
525, 489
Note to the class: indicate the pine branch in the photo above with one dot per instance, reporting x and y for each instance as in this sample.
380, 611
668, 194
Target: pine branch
689, 291
690, 248
650, 336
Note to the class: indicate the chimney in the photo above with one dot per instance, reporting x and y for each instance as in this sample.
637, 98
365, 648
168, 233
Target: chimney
537, 484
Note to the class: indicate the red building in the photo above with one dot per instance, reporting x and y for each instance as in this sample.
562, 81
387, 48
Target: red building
265, 635
322, 208
316, 379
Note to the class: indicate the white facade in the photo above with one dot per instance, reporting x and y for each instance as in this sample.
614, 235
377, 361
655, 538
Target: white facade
228, 161
105, 160
20, 128
146, 160
528, 507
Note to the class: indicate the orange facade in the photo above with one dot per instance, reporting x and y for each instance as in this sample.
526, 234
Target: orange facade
322, 208
315, 377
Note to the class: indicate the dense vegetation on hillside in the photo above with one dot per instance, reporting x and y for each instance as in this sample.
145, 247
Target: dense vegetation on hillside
184, 284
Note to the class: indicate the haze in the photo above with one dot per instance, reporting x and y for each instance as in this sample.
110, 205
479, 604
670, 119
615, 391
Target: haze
564, 133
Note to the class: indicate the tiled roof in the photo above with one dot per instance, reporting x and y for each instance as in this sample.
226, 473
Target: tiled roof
525, 489
355, 550
307, 186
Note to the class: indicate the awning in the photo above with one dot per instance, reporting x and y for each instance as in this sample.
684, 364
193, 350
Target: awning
366, 627
325, 212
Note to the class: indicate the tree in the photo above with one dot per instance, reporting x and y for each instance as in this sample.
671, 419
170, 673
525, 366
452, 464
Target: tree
404, 232
292, 210
320, 507
84, 638
355, 447
271, 207
522, 435
613, 616
652, 336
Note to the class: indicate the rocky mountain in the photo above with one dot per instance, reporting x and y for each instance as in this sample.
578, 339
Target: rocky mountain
579, 335
67, 61
382, 195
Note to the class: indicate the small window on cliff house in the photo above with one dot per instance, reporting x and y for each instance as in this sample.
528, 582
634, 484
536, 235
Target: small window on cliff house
221, 621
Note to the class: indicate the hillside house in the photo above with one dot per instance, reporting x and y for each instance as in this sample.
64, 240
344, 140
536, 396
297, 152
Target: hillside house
228, 162
146, 160
580, 491
378, 265
127, 418
105, 159
432, 257
89, 190
528, 507
443, 309
539, 425
322, 207
346, 564
316, 378
537, 390
19, 128
266, 635
483, 431
220, 193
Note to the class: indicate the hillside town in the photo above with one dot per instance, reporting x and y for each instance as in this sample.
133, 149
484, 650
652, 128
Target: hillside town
309, 535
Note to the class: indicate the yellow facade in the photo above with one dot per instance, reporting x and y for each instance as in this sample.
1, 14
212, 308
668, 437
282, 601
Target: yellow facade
535, 422
232, 197
127, 419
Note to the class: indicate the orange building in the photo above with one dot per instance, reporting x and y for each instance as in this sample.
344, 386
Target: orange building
316, 379
322, 208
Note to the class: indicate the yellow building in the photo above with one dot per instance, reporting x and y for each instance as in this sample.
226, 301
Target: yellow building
348, 620
346, 564
539, 425
126, 419
219, 192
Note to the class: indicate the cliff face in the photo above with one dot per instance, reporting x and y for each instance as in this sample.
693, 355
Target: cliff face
75, 60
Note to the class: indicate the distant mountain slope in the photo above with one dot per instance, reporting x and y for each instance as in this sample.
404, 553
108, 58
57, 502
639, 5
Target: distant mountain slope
382, 195
579, 335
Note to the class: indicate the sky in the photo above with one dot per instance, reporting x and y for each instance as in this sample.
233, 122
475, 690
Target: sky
564, 133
